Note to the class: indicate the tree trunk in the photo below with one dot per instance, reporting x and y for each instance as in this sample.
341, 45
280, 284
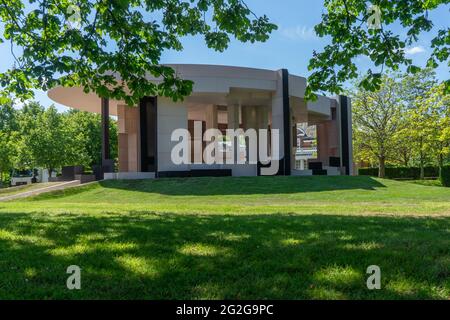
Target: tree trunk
405, 160
441, 163
422, 170
382, 167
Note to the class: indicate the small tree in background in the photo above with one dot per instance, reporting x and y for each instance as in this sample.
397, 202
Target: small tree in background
8, 132
87, 127
8, 152
48, 139
377, 119
428, 121
403, 149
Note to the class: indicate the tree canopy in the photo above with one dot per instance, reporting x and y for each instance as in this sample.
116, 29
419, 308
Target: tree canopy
38, 137
406, 122
86, 43
377, 118
358, 31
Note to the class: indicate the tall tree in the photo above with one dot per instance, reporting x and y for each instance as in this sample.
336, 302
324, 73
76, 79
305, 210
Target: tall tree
8, 117
411, 87
417, 85
403, 150
358, 30
46, 140
28, 119
377, 119
7, 153
428, 121
49, 140
8, 133
87, 126
85, 42
424, 101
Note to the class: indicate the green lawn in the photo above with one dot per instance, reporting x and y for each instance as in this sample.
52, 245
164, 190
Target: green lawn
229, 238
435, 183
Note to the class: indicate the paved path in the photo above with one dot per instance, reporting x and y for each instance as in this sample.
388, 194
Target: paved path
35, 192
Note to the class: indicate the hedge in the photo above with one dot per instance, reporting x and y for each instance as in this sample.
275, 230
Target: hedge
401, 172
445, 176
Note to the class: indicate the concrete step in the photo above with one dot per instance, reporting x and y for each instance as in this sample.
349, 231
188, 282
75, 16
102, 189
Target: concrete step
302, 173
129, 176
332, 171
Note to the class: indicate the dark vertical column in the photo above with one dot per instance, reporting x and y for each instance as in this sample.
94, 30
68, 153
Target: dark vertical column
149, 134
143, 133
155, 134
345, 139
105, 131
107, 164
286, 124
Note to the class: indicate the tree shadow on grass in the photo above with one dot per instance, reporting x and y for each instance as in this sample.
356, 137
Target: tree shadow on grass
144, 255
245, 185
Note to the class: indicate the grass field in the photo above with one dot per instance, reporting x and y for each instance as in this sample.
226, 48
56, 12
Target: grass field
229, 238
432, 183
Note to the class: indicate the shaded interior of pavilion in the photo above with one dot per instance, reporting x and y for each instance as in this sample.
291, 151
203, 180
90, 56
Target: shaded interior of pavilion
314, 136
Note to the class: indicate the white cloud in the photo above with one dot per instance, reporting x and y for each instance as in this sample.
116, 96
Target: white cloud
299, 33
415, 50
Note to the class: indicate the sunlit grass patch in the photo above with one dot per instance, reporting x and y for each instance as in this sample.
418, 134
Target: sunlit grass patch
86, 247
137, 266
339, 276
244, 238
203, 250
291, 242
365, 246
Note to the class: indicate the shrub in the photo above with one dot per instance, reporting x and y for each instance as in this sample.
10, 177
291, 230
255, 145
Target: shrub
402, 172
431, 172
373, 172
445, 176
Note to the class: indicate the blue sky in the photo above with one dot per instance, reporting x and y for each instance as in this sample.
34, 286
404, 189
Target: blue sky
290, 47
